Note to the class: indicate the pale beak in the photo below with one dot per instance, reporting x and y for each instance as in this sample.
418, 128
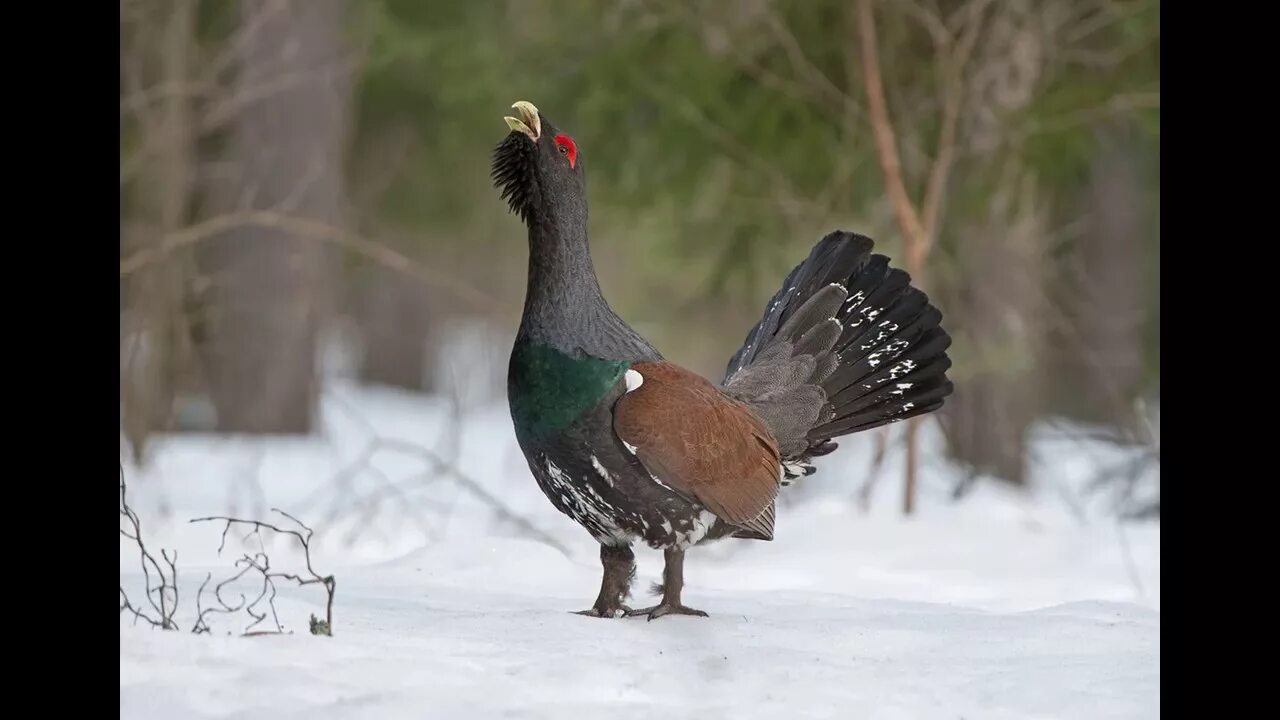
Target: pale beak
528, 123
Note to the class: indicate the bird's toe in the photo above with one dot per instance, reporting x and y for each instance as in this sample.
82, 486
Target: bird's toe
657, 611
621, 611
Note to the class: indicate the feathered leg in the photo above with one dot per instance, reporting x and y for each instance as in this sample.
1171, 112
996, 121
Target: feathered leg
672, 584
619, 565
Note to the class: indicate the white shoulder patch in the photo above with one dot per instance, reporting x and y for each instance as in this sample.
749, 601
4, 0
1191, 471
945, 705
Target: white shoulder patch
633, 380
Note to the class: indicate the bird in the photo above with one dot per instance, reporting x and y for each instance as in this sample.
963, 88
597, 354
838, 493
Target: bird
635, 448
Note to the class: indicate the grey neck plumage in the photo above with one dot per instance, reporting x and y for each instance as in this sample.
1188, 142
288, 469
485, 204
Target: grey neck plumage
563, 305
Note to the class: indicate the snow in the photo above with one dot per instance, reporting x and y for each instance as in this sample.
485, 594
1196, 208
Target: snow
1000, 605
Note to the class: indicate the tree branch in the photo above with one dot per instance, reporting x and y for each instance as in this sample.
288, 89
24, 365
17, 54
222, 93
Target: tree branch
438, 466
886, 143
953, 66
317, 230
802, 65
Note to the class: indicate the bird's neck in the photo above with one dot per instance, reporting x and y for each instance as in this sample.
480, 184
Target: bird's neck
563, 307
563, 291
562, 363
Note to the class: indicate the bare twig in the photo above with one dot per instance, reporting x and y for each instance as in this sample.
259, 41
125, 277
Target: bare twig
1122, 475
201, 626
245, 563
162, 598
1120, 104
952, 62
915, 235
1107, 14
250, 28
801, 64
261, 563
873, 473
436, 467
246, 95
695, 116
886, 141
314, 229
919, 223
135, 102
964, 485
1129, 565
930, 20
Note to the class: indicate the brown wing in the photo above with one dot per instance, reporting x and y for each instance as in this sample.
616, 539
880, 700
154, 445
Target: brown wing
702, 443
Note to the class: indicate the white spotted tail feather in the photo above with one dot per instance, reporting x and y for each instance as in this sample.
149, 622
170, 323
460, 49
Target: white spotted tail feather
846, 345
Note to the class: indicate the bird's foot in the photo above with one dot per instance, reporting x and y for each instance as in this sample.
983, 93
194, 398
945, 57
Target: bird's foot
605, 612
658, 611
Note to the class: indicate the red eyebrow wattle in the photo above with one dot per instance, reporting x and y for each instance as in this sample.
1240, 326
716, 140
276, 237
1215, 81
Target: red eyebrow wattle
571, 148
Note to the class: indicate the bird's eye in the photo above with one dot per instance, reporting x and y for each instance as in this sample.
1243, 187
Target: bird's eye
566, 146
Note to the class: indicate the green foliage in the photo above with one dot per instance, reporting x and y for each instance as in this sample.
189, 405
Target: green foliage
1078, 94
720, 140
319, 627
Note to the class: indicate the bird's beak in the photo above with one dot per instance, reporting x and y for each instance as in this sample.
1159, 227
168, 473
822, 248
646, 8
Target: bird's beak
528, 122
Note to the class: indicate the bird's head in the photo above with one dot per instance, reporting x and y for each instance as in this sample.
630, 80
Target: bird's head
539, 169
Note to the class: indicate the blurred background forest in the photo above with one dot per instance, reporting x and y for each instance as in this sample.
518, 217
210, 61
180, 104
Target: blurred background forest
305, 195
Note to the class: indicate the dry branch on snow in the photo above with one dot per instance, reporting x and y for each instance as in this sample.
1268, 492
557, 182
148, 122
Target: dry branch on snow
160, 581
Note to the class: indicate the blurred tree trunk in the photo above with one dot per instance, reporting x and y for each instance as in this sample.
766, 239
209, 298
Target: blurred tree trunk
395, 321
393, 310
998, 307
272, 290
1000, 315
1104, 343
156, 354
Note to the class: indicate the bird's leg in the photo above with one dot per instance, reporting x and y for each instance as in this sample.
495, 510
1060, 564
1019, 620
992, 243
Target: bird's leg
619, 569
672, 584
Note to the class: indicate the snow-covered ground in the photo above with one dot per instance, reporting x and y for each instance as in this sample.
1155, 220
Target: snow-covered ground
1001, 605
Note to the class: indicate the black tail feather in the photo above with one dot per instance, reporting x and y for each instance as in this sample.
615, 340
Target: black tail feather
888, 360
838, 255
901, 376
812, 380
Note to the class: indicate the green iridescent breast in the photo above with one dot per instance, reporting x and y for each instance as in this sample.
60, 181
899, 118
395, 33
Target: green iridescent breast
548, 389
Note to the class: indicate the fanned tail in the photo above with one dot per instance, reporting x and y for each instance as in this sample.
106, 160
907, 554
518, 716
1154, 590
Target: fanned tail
846, 345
